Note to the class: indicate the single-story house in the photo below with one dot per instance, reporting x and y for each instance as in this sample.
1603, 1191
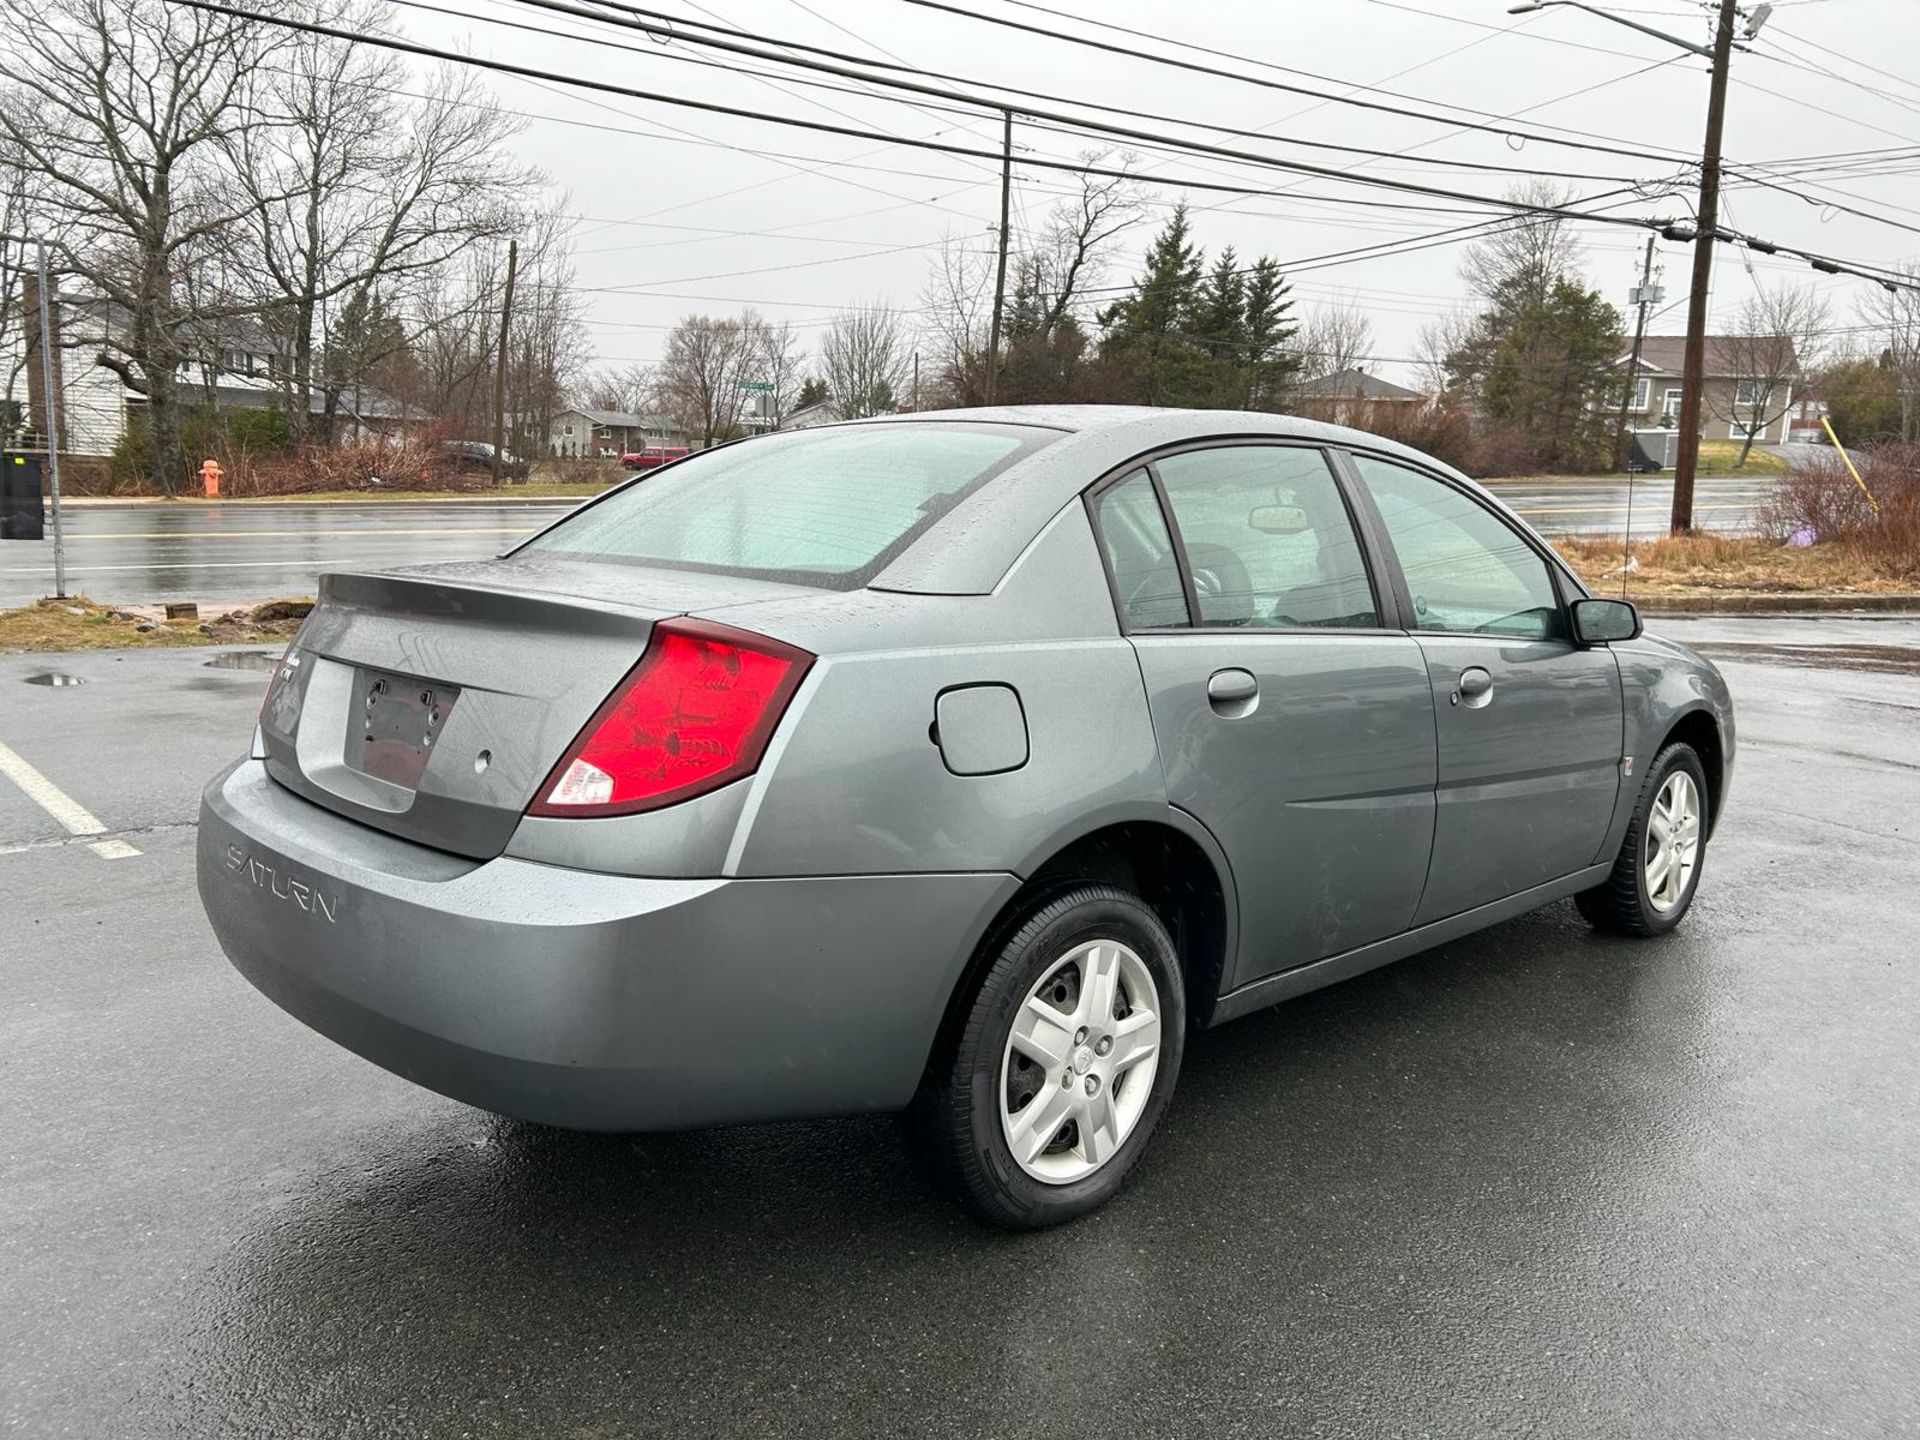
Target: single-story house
821, 412
1734, 397
609, 434
1346, 396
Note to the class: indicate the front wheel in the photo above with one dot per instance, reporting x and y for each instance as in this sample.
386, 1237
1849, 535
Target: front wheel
1064, 1061
1657, 870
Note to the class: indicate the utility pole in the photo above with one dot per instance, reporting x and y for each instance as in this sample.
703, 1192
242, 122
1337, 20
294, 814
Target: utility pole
1000, 278
1706, 220
916, 382
500, 362
1643, 298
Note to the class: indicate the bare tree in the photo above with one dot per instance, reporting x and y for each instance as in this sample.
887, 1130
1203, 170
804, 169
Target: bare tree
1894, 316
547, 347
957, 304
1334, 337
1077, 238
125, 109
18, 329
1052, 273
777, 359
1777, 337
627, 389
699, 381
453, 330
1520, 259
865, 359
356, 190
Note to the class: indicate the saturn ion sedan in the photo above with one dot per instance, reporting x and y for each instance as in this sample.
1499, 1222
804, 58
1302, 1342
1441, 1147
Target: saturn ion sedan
957, 764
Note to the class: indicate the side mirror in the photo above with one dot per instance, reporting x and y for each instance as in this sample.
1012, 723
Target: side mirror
1595, 622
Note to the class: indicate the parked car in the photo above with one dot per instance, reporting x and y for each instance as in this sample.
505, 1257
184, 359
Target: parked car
958, 763
652, 457
475, 457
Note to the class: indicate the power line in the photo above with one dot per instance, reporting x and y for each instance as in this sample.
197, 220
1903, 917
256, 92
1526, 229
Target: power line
742, 112
1169, 60
1015, 90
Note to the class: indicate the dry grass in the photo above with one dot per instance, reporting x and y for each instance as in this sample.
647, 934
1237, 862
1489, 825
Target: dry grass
78, 623
1733, 565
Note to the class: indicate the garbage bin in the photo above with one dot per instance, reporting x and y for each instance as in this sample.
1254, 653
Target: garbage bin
22, 507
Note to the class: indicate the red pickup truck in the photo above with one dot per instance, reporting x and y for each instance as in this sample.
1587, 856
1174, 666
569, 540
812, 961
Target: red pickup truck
652, 457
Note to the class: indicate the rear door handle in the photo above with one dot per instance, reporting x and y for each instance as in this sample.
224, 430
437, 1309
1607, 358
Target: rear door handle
1231, 687
1476, 686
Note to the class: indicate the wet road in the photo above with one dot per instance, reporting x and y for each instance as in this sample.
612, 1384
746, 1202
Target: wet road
1536, 1183
134, 553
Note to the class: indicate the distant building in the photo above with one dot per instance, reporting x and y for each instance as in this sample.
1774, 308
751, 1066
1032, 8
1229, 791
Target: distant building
1731, 400
1350, 397
237, 366
821, 412
609, 434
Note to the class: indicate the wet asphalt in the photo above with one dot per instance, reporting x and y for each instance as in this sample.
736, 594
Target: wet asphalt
209, 551
1535, 1183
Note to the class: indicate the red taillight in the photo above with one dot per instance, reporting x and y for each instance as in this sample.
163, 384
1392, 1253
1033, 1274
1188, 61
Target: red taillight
694, 714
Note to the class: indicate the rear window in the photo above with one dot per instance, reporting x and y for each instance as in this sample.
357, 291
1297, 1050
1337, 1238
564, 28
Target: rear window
828, 508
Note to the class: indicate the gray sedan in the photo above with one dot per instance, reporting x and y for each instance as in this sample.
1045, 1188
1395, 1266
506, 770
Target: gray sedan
956, 764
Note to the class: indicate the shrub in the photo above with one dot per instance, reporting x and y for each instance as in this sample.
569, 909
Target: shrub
1819, 498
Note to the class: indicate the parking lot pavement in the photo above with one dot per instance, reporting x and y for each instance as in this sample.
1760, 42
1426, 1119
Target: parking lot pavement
1535, 1183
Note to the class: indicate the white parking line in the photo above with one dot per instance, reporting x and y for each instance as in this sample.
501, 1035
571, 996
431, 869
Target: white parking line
77, 819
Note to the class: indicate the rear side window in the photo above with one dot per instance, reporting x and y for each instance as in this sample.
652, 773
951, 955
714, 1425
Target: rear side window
812, 507
1268, 538
1133, 535
1467, 569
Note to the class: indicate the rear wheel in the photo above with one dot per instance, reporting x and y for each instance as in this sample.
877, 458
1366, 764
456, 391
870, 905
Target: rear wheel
1063, 1063
1657, 870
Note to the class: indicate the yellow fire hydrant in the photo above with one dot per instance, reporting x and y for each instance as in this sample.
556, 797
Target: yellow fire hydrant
210, 473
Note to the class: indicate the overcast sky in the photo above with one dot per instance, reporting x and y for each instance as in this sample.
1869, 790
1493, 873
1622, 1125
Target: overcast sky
682, 212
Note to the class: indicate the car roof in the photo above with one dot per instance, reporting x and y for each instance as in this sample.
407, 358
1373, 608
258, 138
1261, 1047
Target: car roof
973, 545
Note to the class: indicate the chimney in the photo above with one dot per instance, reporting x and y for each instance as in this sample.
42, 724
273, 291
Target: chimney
36, 417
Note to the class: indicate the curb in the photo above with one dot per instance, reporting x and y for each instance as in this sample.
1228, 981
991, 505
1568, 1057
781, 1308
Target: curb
1808, 605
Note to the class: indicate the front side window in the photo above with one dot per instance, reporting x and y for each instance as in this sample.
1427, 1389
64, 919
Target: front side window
1467, 569
828, 508
1267, 538
1139, 554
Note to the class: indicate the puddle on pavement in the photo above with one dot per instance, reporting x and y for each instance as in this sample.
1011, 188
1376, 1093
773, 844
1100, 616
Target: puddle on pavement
262, 660
52, 679
1887, 659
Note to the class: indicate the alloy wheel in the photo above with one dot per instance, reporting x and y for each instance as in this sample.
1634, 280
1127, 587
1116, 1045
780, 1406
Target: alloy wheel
1672, 846
1079, 1062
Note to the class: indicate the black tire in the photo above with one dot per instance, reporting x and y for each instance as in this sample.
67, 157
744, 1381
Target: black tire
1621, 904
955, 1124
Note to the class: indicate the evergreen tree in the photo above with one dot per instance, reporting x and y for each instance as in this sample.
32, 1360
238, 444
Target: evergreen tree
812, 392
1547, 355
1147, 340
1270, 366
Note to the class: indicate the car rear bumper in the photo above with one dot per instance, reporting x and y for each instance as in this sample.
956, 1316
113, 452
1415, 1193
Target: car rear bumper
591, 1001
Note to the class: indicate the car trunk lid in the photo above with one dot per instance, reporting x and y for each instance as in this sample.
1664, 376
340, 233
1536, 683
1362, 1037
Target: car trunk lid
430, 703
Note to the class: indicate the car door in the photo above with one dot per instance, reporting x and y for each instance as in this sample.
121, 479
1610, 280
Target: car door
1530, 725
1290, 721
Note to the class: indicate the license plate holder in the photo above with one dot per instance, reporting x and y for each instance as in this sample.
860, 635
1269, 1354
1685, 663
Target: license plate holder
395, 723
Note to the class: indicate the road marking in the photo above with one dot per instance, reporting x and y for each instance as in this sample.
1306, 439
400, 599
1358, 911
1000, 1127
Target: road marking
82, 534
204, 565
75, 817
1619, 509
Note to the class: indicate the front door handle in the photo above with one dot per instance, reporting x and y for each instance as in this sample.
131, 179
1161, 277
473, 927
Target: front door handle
1476, 687
1232, 687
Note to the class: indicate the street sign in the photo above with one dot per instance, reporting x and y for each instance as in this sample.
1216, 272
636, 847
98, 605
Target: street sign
758, 387
22, 508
